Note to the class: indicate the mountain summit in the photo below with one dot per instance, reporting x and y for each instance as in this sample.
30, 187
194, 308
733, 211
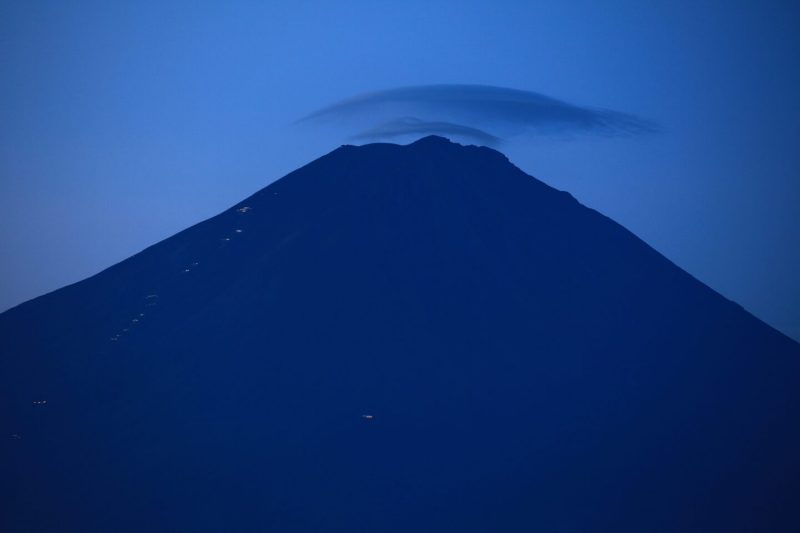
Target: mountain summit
392, 339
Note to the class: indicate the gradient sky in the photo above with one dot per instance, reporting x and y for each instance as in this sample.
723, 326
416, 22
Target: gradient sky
124, 122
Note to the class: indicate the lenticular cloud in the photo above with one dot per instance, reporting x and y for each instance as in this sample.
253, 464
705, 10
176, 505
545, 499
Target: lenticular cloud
481, 112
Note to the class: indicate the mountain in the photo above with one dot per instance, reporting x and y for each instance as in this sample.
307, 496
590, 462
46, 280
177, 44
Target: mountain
393, 339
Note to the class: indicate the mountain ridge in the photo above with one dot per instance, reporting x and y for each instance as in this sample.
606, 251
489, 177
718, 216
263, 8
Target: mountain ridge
396, 338
436, 141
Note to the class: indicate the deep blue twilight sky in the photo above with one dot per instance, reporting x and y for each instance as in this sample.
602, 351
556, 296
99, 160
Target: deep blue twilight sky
124, 122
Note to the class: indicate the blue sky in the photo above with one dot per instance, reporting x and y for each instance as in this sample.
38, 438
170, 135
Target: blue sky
124, 122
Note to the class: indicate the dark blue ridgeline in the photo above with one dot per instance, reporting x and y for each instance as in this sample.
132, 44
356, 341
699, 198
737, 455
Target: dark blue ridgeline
413, 338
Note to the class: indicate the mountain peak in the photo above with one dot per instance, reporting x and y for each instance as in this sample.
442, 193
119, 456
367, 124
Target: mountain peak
433, 140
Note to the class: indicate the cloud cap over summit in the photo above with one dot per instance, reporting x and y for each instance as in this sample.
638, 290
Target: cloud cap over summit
500, 110
414, 126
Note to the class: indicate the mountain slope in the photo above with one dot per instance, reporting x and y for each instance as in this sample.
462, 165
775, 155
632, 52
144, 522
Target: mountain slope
398, 338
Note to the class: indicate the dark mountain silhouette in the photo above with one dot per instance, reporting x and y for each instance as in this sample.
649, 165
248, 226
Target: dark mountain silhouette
392, 338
